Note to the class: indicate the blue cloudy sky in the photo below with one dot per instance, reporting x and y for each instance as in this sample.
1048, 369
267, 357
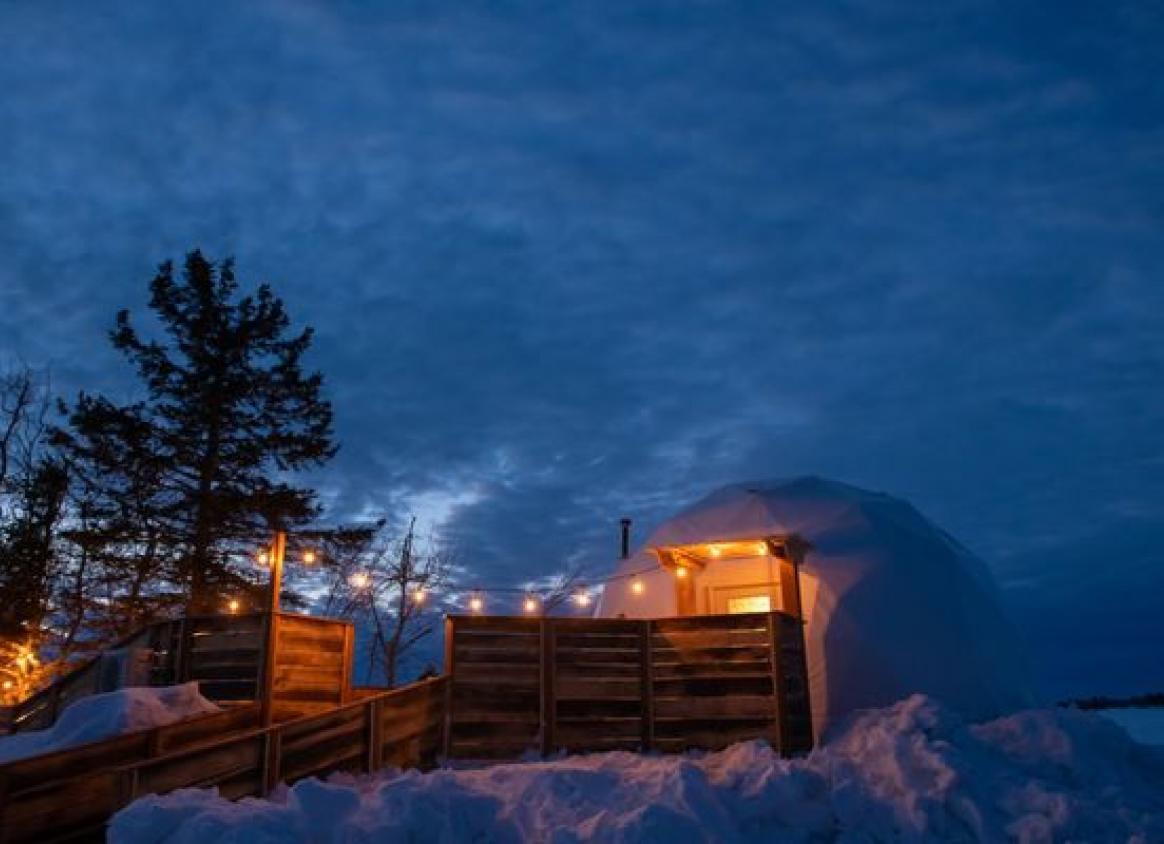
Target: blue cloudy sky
571, 261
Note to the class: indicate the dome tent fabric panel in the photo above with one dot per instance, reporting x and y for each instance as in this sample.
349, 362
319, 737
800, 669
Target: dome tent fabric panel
893, 604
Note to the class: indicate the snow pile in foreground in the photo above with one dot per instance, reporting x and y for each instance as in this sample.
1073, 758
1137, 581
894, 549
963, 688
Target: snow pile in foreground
110, 714
909, 772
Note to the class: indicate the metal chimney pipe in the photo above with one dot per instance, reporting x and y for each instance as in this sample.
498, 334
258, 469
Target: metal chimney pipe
625, 524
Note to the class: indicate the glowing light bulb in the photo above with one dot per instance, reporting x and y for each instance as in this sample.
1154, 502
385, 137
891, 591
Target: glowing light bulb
309, 556
7, 684
359, 580
476, 604
262, 557
681, 572
233, 605
638, 587
762, 548
582, 598
418, 596
530, 604
714, 550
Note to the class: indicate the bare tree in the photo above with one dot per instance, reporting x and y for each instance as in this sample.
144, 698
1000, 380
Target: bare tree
562, 588
32, 500
24, 406
392, 588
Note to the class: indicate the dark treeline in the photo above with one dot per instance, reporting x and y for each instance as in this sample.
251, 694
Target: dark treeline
1152, 699
114, 514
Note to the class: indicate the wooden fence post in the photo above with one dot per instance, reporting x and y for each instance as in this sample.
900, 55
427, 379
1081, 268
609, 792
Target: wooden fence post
373, 735
267, 673
647, 685
346, 667
546, 678
180, 659
450, 669
269, 775
780, 729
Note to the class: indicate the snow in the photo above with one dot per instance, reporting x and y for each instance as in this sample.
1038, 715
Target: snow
1144, 724
109, 714
910, 772
893, 604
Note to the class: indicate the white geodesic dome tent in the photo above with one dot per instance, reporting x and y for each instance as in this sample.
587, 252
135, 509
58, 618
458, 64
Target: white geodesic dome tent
893, 604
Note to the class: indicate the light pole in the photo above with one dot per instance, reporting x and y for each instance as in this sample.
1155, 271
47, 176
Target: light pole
276, 554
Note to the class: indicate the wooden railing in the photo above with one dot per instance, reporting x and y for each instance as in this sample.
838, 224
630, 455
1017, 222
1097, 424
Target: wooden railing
73, 793
520, 684
227, 655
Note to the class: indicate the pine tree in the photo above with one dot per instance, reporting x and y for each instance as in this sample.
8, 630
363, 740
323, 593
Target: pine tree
199, 467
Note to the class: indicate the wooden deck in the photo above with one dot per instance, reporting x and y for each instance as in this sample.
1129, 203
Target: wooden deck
511, 685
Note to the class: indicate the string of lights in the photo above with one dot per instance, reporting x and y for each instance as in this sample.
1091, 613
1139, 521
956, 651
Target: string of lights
533, 597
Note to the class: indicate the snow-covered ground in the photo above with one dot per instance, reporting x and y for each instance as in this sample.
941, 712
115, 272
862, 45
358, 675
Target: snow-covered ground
1145, 724
910, 772
113, 713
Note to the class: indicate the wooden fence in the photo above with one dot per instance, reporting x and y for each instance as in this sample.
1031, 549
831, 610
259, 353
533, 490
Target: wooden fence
72, 793
519, 684
310, 661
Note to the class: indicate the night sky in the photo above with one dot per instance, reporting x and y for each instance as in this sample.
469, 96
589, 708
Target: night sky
574, 261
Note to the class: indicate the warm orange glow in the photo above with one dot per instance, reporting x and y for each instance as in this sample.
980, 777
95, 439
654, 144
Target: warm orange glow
309, 556
681, 571
714, 550
419, 596
263, 557
360, 580
762, 549
233, 605
638, 587
7, 685
476, 604
530, 604
582, 598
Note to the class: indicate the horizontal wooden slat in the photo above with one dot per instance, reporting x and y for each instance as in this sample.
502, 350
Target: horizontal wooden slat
473, 730
712, 622
500, 675
205, 765
469, 623
595, 626
714, 687
523, 654
663, 656
711, 670
95, 797
497, 639
735, 707
622, 641
597, 656
598, 688
682, 639
291, 645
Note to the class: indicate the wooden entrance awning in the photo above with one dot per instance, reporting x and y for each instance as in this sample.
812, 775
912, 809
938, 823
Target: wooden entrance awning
686, 561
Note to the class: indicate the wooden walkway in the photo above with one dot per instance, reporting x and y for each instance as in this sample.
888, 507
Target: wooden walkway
70, 795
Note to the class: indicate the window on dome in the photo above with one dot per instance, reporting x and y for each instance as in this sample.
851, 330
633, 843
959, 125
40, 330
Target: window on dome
749, 603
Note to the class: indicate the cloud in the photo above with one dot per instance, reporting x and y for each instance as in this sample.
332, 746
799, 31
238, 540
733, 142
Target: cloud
574, 262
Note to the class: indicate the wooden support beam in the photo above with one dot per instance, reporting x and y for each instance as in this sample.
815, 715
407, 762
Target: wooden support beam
647, 685
267, 670
547, 681
450, 672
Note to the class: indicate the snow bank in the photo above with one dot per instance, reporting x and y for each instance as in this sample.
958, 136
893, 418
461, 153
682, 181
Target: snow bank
911, 772
1142, 723
110, 714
